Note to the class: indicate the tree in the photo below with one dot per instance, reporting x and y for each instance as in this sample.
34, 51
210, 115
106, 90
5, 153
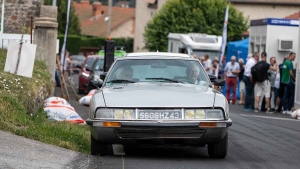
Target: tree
74, 24
192, 16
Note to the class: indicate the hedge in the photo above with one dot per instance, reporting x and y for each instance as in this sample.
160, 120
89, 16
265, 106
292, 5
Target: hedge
75, 42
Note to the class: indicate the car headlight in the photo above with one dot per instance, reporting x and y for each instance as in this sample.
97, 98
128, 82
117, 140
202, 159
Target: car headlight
204, 114
115, 114
85, 74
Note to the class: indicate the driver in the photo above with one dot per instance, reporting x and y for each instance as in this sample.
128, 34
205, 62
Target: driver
192, 74
125, 73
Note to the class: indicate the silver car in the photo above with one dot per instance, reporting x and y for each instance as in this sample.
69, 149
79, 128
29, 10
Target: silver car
158, 99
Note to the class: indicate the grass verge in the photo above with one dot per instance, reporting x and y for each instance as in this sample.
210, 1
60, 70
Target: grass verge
17, 94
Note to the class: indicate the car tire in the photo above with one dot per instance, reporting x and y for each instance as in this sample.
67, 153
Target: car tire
218, 149
99, 148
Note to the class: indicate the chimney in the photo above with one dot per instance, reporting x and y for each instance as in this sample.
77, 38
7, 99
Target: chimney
97, 8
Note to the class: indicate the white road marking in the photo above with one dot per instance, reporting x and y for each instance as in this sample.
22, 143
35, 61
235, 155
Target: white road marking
266, 117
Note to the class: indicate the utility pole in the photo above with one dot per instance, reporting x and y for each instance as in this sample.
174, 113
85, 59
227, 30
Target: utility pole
53, 2
2, 16
109, 17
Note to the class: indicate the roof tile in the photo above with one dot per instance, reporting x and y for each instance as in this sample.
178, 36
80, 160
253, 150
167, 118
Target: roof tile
98, 26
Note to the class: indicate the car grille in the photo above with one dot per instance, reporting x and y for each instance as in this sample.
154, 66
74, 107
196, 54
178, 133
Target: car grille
158, 133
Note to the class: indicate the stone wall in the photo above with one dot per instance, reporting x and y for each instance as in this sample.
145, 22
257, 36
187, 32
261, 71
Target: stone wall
18, 13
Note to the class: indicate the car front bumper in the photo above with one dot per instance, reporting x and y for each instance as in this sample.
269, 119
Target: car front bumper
157, 133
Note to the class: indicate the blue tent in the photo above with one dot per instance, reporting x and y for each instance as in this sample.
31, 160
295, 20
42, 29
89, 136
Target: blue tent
240, 50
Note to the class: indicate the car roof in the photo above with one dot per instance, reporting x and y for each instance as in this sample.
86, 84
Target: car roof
94, 56
158, 54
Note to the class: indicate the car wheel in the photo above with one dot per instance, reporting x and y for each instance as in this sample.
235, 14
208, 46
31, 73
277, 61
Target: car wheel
99, 148
218, 149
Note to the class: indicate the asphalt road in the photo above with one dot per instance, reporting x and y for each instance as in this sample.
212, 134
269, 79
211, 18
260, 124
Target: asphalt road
256, 140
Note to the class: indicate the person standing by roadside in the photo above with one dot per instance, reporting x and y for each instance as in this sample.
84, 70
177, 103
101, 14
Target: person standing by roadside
232, 69
242, 83
288, 79
248, 81
272, 76
208, 64
280, 93
264, 87
202, 60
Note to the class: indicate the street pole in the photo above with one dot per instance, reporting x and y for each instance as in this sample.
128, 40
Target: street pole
2, 17
53, 2
109, 17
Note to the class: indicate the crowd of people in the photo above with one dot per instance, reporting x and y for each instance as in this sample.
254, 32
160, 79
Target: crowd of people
263, 84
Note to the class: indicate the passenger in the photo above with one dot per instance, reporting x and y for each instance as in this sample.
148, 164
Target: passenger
192, 73
125, 73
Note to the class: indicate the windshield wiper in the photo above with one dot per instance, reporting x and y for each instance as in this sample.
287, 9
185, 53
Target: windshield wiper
120, 81
166, 79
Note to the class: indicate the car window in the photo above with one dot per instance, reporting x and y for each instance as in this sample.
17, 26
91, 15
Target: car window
158, 70
90, 61
99, 65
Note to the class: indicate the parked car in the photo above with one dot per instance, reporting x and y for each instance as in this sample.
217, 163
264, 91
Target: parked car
77, 60
84, 73
158, 98
96, 71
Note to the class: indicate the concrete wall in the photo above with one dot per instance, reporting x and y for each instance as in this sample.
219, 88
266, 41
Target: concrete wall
258, 36
297, 87
275, 33
268, 36
143, 14
266, 11
125, 30
18, 13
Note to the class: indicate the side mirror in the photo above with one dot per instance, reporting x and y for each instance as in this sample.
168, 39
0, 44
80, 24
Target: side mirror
103, 75
212, 77
88, 69
219, 82
97, 84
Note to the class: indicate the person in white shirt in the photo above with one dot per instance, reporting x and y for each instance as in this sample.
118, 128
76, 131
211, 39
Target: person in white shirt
232, 69
249, 101
208, 64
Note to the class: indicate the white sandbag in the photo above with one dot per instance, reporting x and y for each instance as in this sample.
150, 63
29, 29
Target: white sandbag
58, 109
87, 99
296, 114
57, 100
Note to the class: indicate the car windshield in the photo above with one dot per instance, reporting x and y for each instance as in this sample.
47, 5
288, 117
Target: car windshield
157, 70
79, 58
90, 61
99, 65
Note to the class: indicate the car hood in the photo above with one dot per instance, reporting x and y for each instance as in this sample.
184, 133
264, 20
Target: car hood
158, 95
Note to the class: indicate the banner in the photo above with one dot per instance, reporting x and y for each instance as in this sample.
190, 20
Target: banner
224, 40
63, 49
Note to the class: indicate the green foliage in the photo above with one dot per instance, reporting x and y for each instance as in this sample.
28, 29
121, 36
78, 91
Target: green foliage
17, 96
74, 24
74, 42
192, 16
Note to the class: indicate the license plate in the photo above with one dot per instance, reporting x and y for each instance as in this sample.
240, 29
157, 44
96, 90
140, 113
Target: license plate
159, 115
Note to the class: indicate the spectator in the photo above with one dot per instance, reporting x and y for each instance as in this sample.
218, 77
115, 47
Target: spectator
208, 64
202, 60
288, 79
281, 87
272, 76
264, 88
242, 83
232, 70
248, 106
195, 56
